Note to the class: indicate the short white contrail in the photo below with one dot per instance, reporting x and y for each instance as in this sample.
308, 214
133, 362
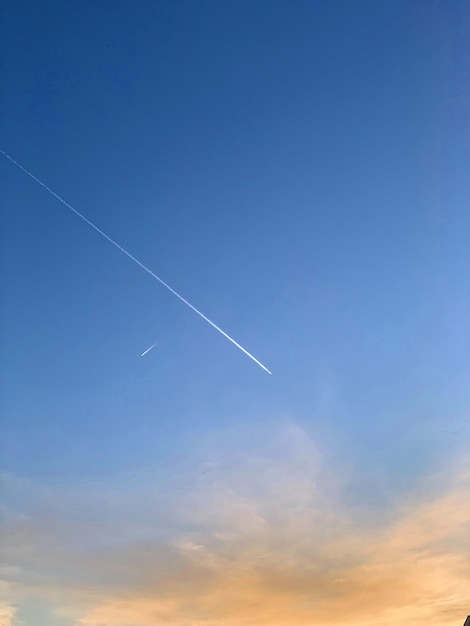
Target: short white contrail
128, 254
148, 349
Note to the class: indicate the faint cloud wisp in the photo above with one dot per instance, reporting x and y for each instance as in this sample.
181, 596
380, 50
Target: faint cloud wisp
263, 540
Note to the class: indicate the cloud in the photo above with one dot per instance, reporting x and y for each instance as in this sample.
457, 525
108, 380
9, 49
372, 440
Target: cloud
6, 614
251, 538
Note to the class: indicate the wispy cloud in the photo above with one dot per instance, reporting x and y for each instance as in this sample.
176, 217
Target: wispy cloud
264, 540
6, 614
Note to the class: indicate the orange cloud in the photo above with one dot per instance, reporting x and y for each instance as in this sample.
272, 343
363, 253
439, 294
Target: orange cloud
269, 543
417, 571
6, 614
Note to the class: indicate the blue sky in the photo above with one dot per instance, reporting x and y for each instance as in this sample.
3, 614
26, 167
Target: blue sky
298, 171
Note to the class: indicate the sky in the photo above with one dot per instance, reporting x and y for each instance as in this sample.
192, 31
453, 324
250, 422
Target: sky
298, 171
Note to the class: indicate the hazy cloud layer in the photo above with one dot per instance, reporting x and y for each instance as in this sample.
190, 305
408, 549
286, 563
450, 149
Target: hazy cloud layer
252, 539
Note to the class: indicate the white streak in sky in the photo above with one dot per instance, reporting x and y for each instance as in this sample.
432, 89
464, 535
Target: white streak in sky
261, 556
148, 349
128, 254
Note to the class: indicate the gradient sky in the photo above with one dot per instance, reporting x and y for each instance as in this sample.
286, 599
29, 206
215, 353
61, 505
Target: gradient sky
299, 172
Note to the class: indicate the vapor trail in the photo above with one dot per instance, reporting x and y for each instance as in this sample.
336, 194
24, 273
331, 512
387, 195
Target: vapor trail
128, 254
148, 349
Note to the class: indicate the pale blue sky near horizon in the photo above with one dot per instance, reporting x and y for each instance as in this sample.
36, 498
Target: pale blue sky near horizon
297, 171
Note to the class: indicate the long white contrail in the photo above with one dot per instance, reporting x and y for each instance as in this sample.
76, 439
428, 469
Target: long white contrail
128, 254
148, 349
